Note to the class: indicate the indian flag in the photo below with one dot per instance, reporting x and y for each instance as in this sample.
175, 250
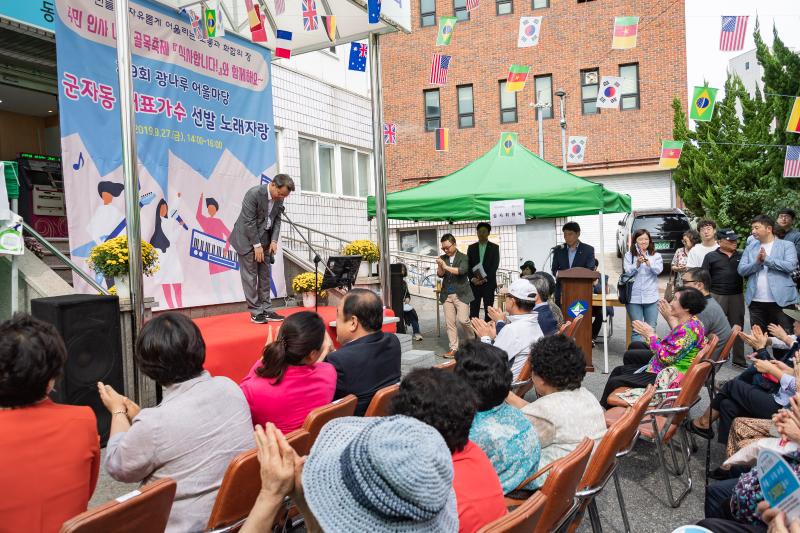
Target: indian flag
625, 31
794, 118
670, 154
517, 76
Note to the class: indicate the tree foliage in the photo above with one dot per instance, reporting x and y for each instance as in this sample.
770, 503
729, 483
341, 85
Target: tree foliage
731, 168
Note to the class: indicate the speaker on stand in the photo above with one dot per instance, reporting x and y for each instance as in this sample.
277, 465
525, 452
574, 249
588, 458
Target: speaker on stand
396, 270
89, 325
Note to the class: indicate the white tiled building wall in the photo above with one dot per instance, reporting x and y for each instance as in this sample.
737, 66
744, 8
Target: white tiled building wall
312, 108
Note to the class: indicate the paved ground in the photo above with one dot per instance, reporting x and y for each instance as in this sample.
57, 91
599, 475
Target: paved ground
644, 492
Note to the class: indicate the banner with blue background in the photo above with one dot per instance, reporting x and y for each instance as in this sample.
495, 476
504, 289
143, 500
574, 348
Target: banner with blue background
204, 136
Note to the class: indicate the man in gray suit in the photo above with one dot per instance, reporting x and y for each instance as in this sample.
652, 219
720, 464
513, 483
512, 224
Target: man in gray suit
258, 228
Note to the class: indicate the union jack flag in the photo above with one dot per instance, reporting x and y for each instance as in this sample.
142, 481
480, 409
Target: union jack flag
791, 165
439, 69
731, 38
389, 133
472, 4
309, 15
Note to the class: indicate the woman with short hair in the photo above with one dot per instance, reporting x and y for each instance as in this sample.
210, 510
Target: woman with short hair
291, 378
503, 432
201, 424
49, 453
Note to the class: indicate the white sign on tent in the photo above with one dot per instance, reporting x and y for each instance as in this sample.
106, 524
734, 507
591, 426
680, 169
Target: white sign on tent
507, 212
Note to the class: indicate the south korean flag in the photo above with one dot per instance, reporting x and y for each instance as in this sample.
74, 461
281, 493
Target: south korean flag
577, 148
609, 92
529, 29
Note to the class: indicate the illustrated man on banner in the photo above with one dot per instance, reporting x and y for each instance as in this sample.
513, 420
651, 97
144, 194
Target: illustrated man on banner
213, 225
255, 238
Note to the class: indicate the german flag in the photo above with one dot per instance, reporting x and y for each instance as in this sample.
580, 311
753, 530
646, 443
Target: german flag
329, 21
670, 154
794, 118
442, 140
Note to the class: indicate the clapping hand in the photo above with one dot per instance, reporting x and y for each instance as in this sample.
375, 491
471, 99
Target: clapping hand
496, 314
757, 338
779, 333
277, 460
664, 308
113, 400
483, 328
327, 347
643, 328
762, 255
776, 519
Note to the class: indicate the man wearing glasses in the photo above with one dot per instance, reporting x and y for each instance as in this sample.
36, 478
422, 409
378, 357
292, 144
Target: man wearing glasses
713, 318
456, 294
785, 221
727, 286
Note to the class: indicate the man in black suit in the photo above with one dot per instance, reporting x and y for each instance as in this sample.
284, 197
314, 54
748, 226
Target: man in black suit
368, 359
573, 253
255, 238
488, 254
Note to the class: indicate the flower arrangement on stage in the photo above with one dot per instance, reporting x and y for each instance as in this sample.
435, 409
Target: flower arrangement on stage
305, 283
111, 258
368, 250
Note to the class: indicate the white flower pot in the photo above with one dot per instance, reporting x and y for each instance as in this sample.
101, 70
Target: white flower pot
364, 269
309, 300
123, 285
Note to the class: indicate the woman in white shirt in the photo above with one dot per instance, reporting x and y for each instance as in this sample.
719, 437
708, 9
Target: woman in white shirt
647, 264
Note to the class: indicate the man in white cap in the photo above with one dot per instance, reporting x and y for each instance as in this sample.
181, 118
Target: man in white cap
522, 328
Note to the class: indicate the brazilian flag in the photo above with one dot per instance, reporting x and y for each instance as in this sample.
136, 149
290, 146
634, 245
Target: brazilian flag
702, 106
211, 22
508, 141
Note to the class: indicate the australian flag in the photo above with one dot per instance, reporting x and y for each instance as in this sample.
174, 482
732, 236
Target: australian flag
374, 11
358, 57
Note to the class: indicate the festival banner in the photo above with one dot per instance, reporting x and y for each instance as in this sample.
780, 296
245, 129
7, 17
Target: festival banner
204, 136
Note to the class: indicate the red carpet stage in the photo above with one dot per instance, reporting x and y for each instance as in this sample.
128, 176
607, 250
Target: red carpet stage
233, 343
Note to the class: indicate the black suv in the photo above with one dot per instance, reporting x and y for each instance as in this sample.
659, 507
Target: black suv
666, 227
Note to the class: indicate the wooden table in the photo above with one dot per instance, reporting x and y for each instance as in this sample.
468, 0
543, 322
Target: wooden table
613, 301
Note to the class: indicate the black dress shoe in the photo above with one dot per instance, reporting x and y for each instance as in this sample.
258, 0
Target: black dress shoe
272, 316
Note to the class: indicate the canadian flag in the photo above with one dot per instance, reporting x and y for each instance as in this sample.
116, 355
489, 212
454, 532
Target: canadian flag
577, 147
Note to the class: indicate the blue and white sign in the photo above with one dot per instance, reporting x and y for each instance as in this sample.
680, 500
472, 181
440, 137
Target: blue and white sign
38, 13
204, 136
577, 308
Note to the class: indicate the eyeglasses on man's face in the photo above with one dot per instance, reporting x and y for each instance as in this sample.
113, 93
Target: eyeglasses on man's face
684, 280
447, 246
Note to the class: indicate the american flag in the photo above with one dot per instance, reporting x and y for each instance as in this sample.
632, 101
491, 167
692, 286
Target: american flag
472, 4
309, 15
791, 166
389, 133
731, 38
439, 69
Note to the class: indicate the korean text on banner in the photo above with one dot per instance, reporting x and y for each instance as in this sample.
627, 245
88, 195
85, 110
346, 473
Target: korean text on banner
204, 136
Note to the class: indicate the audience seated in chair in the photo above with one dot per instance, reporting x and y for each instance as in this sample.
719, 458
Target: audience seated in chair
443, 401
712, 316
759, 391
49, 453
565, 413
201, 424
291, 378
375, 474
500, 430
368, 359
677, 349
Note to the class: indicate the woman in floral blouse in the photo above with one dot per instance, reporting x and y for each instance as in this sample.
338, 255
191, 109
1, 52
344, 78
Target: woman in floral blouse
677, 349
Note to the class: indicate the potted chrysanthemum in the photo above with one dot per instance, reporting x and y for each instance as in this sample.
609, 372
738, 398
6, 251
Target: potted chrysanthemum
368, 251
309, 287
110, 259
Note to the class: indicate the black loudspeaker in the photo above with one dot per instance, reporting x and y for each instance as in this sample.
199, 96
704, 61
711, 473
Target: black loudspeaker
90, 328
396, 270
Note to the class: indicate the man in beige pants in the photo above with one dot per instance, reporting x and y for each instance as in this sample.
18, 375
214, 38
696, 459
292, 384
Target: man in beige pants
456, 293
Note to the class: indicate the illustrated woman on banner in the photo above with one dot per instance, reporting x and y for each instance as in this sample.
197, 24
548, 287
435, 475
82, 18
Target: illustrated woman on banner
105, 220
168, 230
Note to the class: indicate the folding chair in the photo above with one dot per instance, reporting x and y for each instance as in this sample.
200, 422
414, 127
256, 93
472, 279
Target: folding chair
602, 466
379, 405
573, 326
145, 510
322, 415
559, 487
241, 485
660, 425
523, 519
524, 382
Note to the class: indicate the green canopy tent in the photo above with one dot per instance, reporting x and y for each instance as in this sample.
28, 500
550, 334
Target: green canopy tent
465, 194
513, 174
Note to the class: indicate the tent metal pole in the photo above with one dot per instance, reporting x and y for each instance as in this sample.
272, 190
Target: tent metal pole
603, 292
541, 133
381, 219
129, 164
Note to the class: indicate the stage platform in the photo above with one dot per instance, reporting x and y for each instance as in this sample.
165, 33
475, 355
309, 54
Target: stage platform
233, 343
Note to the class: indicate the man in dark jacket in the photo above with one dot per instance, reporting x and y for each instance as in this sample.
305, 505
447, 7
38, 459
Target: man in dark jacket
368, 359
572, 254
487, 254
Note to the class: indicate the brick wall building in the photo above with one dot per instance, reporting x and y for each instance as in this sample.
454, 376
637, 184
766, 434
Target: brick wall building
573, 53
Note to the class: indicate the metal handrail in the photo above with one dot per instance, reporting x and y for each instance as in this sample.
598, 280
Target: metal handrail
63, 258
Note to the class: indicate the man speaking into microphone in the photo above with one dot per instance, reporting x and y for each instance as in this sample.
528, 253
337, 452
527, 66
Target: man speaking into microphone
572, 254
255, 238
